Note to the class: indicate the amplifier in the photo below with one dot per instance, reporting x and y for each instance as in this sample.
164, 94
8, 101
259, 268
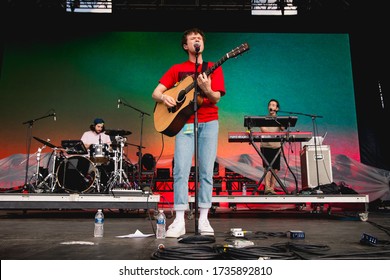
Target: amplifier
311, 159
163, 173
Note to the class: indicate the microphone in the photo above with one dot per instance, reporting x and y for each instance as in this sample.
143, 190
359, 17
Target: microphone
197, 47
54, 116
119, 102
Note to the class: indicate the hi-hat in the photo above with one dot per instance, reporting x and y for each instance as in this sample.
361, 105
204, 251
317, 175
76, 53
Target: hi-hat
117, 132
45, 142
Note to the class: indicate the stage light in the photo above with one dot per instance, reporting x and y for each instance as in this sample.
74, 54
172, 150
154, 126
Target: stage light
148, 162
273, 7
89, 6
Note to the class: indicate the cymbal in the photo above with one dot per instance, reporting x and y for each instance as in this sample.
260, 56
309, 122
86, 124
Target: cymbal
117, 132
45, 142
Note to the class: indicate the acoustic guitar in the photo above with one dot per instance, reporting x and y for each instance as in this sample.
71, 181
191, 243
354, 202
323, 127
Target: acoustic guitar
169, 121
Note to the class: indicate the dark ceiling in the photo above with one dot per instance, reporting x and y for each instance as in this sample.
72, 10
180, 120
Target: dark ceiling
313, 15
313, 5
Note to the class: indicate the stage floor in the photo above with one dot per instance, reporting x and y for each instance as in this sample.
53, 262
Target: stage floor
67, 234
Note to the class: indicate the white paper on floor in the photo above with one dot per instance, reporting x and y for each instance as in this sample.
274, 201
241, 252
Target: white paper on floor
136, 234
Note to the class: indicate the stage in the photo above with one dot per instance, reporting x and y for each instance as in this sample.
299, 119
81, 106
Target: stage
139, 200
317, 203
121, 200
67, 234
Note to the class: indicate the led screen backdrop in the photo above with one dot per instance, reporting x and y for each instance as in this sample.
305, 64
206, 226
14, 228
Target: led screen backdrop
82, 77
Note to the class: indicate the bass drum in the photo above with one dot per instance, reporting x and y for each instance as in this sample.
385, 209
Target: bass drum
76, 174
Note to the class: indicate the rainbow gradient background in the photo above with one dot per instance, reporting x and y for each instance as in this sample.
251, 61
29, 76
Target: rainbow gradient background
82, 76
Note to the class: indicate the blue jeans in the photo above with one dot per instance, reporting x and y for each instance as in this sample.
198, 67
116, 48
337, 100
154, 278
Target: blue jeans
184, 152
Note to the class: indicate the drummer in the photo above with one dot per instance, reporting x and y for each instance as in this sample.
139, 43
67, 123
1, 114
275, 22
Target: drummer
96, 135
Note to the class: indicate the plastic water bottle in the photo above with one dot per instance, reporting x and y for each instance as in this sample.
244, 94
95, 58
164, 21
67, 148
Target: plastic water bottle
99, 224
161, 224
243, 188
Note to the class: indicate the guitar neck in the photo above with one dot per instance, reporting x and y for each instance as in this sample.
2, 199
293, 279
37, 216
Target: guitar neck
208, 72
216, 65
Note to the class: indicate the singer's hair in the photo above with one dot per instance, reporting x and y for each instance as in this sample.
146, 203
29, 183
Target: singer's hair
194, 30
274, 100
92, 127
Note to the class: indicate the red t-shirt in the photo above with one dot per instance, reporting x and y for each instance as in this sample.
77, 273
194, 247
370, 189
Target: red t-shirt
207, 110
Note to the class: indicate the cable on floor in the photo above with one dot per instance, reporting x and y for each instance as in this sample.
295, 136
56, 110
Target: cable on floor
257, 235
316, 249
383, 228
272, 234
379, 255
255, 253
198, 252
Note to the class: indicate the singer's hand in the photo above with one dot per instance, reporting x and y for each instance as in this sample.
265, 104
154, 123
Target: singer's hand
169, 101
204, 83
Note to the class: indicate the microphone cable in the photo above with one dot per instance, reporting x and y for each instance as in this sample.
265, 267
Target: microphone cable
316, 249
377, 255
255, 253
289, 168
198, 252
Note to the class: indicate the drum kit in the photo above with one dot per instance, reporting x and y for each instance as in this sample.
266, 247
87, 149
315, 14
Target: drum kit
74, 169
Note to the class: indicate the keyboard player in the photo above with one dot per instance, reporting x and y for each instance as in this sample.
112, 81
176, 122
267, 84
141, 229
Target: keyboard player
270, 150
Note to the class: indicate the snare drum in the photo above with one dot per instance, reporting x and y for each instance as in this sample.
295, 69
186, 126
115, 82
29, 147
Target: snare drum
76, 174
99, 153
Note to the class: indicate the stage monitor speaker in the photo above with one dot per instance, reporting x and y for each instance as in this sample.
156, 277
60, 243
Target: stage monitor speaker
309, 156
163, 173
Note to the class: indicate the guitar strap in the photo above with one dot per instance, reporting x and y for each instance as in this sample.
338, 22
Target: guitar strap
204, 66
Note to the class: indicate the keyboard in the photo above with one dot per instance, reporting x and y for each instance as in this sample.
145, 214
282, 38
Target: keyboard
127, 192
301, 136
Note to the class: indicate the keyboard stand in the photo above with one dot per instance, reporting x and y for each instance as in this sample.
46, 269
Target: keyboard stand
269, 165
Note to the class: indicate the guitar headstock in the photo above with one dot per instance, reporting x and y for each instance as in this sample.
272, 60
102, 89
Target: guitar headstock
239, 50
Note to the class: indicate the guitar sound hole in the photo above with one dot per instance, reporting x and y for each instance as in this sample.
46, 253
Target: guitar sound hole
181, 96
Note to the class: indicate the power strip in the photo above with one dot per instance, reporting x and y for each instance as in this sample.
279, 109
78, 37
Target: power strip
296, 234
238, 233
368, 239
242, 243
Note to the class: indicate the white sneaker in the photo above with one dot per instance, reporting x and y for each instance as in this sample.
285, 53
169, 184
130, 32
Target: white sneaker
205, 228
176, 229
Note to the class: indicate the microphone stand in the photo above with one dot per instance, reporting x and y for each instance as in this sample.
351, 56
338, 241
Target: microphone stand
29, 136
140, 147
313, 118
198, 238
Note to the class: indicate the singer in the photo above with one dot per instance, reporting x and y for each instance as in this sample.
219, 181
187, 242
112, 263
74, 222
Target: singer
211, 88
271, 149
